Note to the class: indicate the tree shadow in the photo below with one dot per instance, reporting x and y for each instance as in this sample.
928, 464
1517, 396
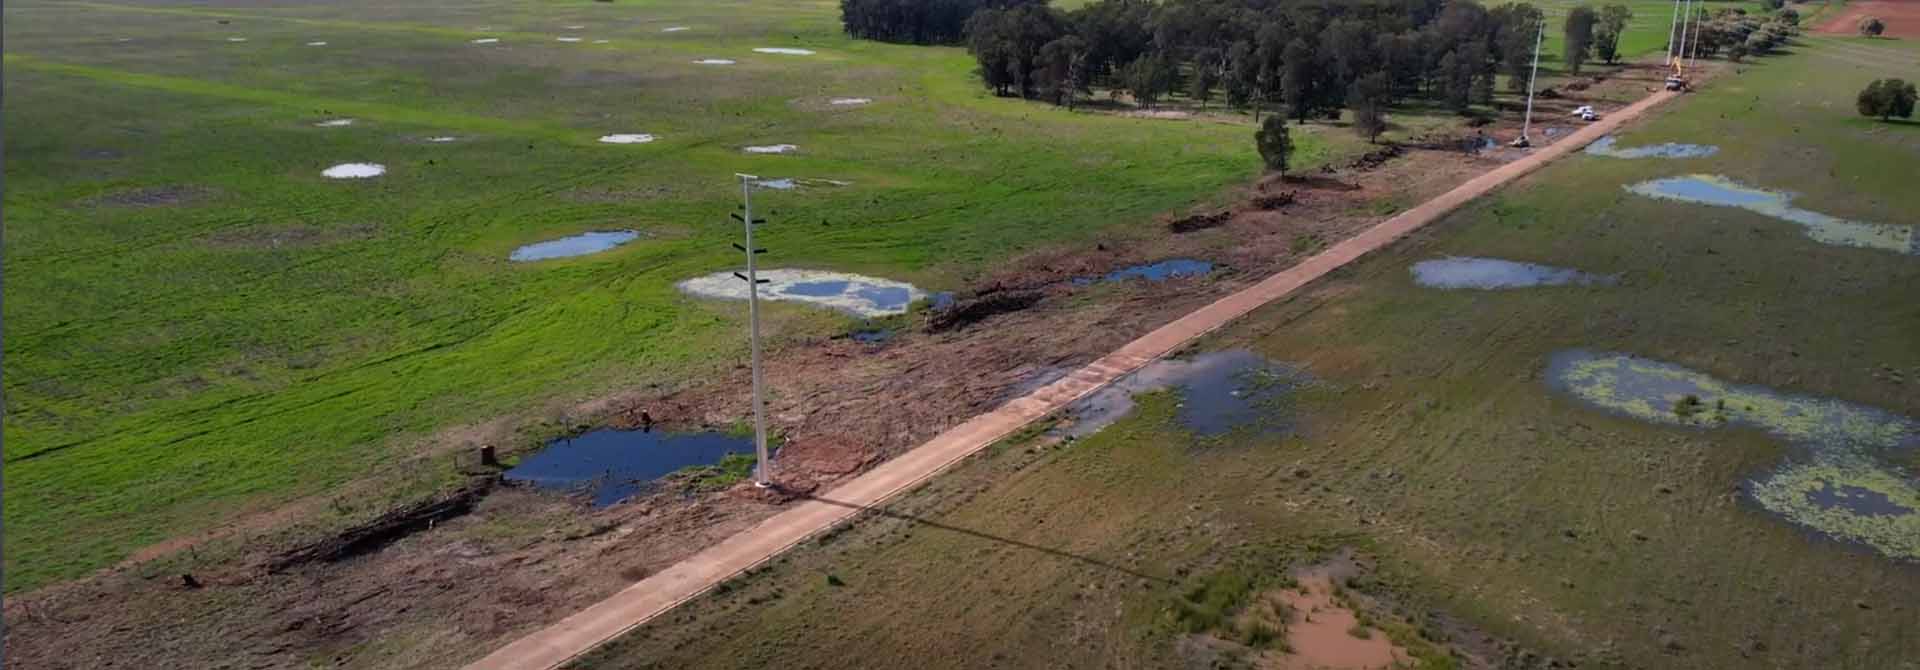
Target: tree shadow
1088, 560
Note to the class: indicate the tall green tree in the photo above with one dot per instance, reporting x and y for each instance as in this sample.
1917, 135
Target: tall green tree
1297, 79
1578, 36
1368, 99
1606, 37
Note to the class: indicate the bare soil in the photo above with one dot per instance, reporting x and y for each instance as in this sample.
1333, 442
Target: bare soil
1902, 18
462, 585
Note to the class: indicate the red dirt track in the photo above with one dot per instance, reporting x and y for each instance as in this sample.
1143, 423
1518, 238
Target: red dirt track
1902, 18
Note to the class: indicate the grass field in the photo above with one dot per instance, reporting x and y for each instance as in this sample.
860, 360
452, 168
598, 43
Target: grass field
1434, 443
198, 323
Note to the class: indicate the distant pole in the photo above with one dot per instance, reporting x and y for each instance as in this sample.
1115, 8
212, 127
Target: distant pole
1673, 28
1526, 126
1691, 59
762, 470
1685, 16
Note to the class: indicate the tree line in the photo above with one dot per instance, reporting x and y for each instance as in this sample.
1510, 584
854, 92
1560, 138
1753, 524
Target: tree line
916, 21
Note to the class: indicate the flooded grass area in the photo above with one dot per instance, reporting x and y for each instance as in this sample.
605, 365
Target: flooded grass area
1609, 147
574, 245
1841, 483
854, 294
1720, 191
612, 465
1464, 272
1219, 392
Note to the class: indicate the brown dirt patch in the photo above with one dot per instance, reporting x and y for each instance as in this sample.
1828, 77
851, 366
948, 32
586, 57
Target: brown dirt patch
153, 196
1902, 18
1326, 635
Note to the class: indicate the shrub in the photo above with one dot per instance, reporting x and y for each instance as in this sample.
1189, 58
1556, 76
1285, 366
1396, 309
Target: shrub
1274, 143
1872, 26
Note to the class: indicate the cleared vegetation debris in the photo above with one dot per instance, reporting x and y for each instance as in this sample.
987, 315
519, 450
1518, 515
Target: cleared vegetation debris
384, 529
1200, 221
980, 307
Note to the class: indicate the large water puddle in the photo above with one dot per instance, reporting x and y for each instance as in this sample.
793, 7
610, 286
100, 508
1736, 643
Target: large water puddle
1155, 272
1723, 192
1609, 147
574, 245
1839, 483
1460, 272
613, 465
1219, 392
855, 294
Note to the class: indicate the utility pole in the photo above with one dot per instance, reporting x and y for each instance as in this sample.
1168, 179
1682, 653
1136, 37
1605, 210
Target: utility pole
762, 473
1685, 15
1526, 125
1696, 36
1672, 28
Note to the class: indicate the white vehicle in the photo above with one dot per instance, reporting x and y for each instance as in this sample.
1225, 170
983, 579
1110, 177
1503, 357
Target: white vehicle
1589, 116
1583, 111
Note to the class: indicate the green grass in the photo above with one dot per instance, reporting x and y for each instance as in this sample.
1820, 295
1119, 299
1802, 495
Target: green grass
1435, 445
170, 367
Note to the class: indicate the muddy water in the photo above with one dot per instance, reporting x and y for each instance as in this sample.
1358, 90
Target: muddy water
1456, 272
1837, 483
855, 294
1219, 392
613, 465
1722, 192
1609, 146
574, 245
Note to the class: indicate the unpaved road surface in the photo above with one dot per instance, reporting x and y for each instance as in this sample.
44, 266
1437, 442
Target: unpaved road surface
554, 645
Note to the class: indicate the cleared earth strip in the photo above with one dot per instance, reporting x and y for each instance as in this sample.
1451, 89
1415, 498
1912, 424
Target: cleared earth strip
581, 632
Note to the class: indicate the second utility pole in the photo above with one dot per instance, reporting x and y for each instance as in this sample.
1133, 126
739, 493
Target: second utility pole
762, 472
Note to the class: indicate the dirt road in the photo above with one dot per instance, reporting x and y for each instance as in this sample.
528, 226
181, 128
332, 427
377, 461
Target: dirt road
556, 644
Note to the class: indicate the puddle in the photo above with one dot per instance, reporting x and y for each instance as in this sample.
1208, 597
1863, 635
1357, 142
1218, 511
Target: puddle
1847, 498
602, 41
575, 245
791, 183
613, 465
942, 300
576, 27
566, 39
854, 294
1606, 146
1723, 192
354, 171
443, 139
673, 29
1457, 272
487, 40
316, 44
783, 51
627, 138
714, 61
875, 336
849, 101
1161, 271
1655, 391
770, 149
1219, 391
1835, 486
236, 39
335, 123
